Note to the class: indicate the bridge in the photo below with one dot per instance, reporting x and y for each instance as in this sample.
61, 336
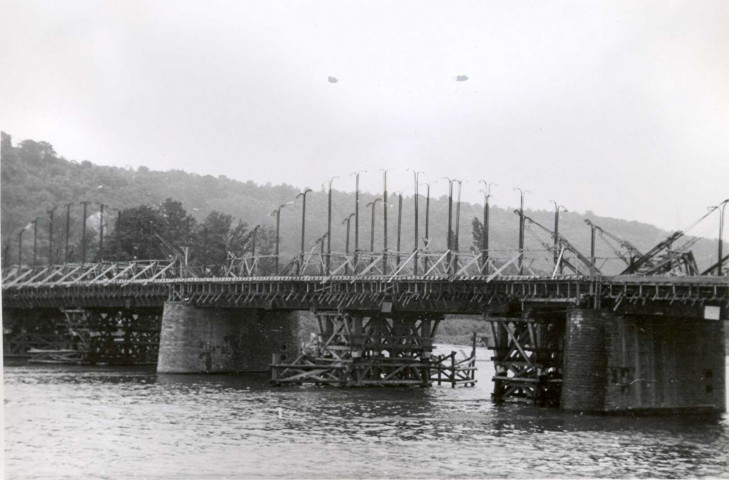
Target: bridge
564, 332
582, 340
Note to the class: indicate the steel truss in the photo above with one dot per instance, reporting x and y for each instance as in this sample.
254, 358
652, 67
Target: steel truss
528, 359
377, 349
26, 332
115, 336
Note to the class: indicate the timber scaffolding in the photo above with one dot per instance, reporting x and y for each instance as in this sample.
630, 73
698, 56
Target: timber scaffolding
374, 350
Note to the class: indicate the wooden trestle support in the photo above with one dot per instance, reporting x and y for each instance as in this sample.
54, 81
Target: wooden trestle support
528, 358
378, 349
115, 336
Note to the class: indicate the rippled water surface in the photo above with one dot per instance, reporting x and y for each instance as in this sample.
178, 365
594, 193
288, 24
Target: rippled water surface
81, 422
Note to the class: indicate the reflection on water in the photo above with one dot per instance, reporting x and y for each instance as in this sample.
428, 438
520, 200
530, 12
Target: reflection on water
132, 423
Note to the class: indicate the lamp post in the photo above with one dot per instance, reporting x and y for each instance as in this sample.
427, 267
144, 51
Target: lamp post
35, 240
68, 230
721, 207
329, 228
449, 243
521, 229
416, 175
372, 223
50, 235
277, 213
303, 226
556, 233
427, 224
101, 232
356, 216
458, 223
485, 233
20, 246
399, 227
83, 234
118, 229
346, 244
384, 210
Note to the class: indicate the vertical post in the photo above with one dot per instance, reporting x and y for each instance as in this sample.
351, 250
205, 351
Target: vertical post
521, 235
450, 220
458, 223
346, 244
427, 224
35, 241
321, 253
485, 231
20, 246
205, 249
592, 249
356, 220
556, 233
118, 228
83, 234
68, 232
372, 224
50, 235
399, 227
329, 228
722, 206
521, 229
557, 243
417, 219
278, 224
384, 209
303, 228
101, 232
486, 222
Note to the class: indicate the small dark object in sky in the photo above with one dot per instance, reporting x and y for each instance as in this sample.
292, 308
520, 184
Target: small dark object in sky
461, 78
332, 79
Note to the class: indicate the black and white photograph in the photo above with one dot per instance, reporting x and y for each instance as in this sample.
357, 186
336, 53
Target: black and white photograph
324, 239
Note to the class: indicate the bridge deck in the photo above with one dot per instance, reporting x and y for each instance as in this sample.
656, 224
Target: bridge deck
152, 284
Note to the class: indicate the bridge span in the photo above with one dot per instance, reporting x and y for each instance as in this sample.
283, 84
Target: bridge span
581, 341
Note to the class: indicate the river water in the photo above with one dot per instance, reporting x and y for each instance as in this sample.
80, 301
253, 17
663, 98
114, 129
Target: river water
104, 422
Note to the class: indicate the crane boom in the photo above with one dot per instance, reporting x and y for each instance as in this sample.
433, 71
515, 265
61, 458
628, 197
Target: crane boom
566, 244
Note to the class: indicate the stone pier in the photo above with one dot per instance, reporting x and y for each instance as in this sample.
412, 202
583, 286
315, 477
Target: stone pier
642, 363
223, 340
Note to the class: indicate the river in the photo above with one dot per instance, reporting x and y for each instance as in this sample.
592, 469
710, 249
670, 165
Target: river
104, 422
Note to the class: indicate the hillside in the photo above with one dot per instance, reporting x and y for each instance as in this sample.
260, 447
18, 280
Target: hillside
35, 178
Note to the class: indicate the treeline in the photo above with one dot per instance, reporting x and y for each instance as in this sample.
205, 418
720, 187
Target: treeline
35, 179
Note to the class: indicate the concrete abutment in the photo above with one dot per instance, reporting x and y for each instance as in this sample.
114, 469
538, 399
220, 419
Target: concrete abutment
224, 340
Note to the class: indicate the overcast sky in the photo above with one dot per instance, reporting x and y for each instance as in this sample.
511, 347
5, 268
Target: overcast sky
621, 108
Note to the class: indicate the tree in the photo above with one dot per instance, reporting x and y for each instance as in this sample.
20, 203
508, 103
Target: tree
478, 233
179, 226
137, 231
212, 238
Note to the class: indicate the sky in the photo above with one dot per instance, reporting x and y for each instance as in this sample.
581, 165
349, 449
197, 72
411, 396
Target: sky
618, 108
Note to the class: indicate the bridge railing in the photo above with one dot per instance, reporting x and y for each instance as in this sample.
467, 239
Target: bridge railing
103, 273
420, 263
361, 264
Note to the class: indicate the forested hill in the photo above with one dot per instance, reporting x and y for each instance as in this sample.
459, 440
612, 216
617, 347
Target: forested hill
35, 178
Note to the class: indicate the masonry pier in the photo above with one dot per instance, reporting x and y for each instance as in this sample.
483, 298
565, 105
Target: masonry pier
198, 339
596, 360
642, 363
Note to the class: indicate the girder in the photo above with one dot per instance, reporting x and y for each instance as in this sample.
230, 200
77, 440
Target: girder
439, 289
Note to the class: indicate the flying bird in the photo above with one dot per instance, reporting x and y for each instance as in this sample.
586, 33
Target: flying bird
332, 79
